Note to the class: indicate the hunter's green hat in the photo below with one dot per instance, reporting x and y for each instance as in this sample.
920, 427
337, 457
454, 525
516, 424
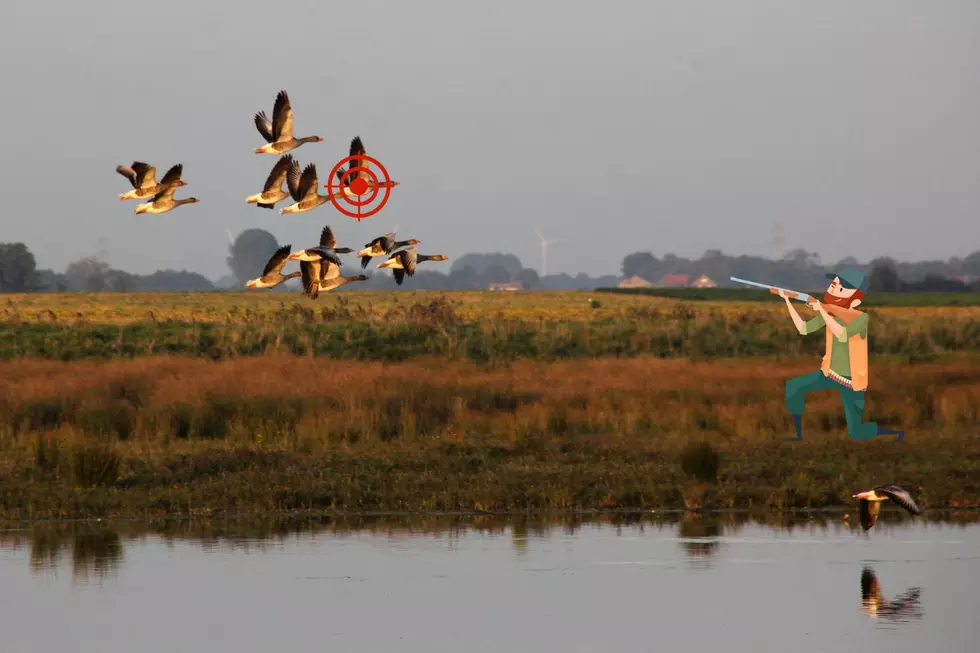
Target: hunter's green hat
851, 278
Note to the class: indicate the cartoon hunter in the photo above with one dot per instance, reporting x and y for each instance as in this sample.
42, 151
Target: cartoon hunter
845, 363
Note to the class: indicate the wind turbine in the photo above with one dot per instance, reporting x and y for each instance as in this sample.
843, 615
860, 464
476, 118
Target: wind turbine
544, 251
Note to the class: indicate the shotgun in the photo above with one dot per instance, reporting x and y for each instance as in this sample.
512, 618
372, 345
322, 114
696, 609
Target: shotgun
846, 314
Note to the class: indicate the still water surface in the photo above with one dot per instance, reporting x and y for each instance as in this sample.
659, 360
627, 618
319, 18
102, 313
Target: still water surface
637, 583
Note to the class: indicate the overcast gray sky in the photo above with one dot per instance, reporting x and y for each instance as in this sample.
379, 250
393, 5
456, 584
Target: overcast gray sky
663, 126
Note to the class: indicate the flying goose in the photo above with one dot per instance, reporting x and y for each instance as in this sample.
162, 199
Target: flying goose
272, 275
322, 276
327, 249
303, 188
871, 502
279, 132
404, 261
164, 201
350, 187
143, 178
273, 191
383, 245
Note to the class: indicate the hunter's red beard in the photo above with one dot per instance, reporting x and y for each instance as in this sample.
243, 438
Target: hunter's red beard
843, 302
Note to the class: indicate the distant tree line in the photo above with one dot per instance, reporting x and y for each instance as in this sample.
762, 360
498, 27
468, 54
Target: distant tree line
250, 251
802, 269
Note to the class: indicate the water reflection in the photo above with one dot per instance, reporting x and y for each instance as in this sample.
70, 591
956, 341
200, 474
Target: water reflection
97, 548
699, 537
903, 608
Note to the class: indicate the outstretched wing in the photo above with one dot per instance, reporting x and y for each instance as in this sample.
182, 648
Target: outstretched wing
326, 238
172, 175
327, 254
129, 174
277, 260
310, 275
292, 181
869, 513
899, 495
146, 175
365, 260
264, 126
409, 258
282, 118
307, 182
278, 173
399, 275
357, 149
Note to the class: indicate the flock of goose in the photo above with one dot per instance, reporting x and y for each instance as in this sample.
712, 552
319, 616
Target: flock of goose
320, 264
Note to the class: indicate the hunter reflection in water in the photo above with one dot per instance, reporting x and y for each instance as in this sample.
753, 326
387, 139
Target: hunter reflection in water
903, 608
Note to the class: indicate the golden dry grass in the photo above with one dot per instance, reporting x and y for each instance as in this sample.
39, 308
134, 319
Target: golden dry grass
237, 307
280, 432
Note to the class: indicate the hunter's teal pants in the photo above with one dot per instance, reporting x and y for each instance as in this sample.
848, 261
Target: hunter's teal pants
853, 401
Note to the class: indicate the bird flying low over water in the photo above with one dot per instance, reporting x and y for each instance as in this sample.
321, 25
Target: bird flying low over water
871, 502
383, 245
404, 261
279, 132
273, 191
327, 249
142, 176
272, 274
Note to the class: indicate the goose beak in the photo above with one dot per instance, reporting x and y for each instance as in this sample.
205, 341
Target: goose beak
259, 150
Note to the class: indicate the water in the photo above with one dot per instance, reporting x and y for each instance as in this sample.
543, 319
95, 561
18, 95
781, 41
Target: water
620, 583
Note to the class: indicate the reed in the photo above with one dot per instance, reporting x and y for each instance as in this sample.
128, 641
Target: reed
169, 435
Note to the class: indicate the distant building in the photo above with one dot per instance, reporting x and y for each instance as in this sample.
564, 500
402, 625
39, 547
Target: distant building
511, 286
704, 281
674, 280
635, 282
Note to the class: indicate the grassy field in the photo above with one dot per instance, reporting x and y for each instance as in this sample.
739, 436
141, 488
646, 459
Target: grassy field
478, 326
204, 403
168, 435
934, 299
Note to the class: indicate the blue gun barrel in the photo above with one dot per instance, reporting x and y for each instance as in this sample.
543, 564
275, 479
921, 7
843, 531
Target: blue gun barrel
803, 297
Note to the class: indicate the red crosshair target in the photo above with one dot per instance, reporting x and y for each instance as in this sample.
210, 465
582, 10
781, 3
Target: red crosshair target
357, 191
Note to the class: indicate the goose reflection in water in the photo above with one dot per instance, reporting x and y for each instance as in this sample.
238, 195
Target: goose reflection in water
903, 608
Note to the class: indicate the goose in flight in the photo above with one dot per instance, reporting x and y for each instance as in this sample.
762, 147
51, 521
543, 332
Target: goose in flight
273, 191
403, 262
142, 176
272, 274
322, 275
303, 188
327, 249
871, 502
361, 182
279, 132
383, 245
164, 201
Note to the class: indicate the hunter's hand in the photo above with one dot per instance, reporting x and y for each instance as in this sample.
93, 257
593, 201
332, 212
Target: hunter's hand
815, 304
781, 293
